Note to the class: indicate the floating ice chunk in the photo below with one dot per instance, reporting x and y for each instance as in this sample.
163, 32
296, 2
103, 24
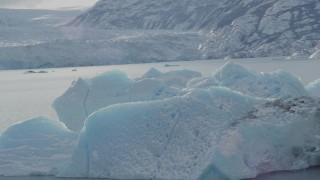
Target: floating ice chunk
267, 85
314, 88
177, 78
88, 96
174, 138
39, 146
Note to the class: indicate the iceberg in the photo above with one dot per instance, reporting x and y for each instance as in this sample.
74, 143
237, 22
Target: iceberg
277, 84
204, 134
313, 88
40, 146
87, 96
174, 138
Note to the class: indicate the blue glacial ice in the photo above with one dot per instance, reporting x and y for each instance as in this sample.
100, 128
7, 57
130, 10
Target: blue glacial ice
40, 146
234, 124
86, 96
174, 138
184, 137
278, 84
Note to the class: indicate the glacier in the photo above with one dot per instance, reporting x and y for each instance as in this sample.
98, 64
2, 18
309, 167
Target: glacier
171, 125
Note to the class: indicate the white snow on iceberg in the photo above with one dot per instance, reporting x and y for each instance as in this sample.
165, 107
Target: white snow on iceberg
39, 146
278, 84
87, 96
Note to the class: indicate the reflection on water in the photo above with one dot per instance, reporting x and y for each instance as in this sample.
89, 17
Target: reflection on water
308, 174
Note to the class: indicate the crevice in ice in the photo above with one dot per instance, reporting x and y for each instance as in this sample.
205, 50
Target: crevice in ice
85, 102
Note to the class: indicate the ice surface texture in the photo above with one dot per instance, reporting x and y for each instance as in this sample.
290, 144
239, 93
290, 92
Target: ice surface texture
170, 139
39, 146
87, 96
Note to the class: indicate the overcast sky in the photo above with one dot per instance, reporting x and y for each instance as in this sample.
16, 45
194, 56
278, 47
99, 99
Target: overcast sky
46, 4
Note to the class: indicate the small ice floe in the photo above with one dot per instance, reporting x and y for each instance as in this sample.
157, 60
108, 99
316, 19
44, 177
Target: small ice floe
32, 72
29, 72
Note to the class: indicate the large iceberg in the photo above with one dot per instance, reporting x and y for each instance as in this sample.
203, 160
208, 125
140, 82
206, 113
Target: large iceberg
174, 138
39, 146
86, 96
200, 135
278, 84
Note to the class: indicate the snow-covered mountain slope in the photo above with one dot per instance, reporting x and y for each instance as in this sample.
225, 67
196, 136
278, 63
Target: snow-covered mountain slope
139, 31
150, 14
256, 28
248, 28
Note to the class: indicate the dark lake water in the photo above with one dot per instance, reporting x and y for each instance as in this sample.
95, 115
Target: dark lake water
308, 174
44, 178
